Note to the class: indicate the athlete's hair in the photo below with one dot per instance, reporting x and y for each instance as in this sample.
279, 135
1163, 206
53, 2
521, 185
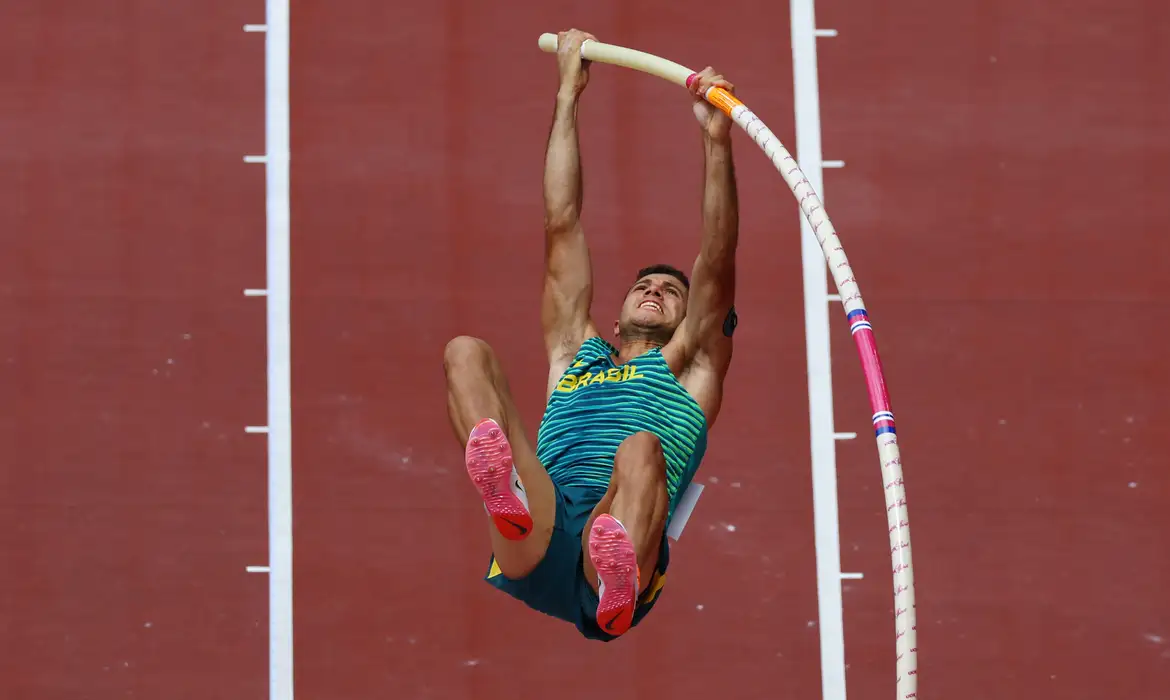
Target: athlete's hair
664, 269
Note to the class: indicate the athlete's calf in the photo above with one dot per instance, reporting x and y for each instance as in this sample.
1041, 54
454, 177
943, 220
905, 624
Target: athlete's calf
477, 390
637, 498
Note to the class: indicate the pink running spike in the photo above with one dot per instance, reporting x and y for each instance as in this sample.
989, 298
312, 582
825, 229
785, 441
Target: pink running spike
612, 554
489, 464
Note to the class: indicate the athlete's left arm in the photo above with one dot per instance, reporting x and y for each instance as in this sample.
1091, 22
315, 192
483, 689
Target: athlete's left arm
712, 294
710, 321
703, 341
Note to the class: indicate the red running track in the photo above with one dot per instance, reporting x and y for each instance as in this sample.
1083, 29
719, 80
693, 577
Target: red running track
999, 205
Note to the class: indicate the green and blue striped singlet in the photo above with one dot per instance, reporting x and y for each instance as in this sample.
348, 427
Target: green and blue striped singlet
598, 403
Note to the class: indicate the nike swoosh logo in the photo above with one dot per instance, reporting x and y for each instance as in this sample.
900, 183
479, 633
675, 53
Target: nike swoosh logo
609, 625
518, 526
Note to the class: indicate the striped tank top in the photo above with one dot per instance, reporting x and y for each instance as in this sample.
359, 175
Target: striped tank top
598, 403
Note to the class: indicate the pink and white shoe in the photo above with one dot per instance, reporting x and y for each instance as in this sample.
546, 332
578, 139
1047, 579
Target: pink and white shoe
490, 466
613, 556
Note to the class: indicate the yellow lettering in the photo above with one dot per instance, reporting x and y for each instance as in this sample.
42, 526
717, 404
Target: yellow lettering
571, 382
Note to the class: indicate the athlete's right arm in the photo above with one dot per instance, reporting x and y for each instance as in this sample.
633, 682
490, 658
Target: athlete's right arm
568, 279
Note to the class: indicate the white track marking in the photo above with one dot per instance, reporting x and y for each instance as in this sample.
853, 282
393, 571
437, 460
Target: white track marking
827, 536
280, 544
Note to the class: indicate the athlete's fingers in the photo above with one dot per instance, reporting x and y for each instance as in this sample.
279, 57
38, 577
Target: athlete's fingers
721, 83
569, 52
575, 37
568, 40
709, 78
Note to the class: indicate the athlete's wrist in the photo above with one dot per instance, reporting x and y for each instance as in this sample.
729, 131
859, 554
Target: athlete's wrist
568, 95
717, 144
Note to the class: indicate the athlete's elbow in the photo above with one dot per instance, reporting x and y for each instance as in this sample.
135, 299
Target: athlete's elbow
718, 250
716, 305
561, 219
715, 274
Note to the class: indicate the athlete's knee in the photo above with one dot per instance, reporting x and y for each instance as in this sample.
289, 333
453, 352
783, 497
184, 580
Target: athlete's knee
463, 352
640, 457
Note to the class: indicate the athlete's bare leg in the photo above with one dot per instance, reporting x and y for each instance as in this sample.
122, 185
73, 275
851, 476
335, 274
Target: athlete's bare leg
477, 389
637, 498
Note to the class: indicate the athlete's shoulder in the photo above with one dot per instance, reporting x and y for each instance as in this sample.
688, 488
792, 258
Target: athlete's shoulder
687, 355
715, 353
704, 375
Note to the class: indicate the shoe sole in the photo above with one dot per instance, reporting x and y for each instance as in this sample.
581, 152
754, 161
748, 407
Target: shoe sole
613, 556
489, 464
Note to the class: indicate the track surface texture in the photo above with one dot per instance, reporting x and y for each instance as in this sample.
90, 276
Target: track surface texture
131, 500
1000, 204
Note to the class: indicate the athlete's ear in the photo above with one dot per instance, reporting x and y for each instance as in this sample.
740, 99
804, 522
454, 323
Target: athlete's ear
617, 326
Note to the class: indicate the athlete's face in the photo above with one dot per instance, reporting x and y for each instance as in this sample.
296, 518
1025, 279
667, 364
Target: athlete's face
655, 305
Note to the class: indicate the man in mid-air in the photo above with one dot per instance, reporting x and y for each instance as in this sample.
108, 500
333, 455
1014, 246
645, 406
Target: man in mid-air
578, 524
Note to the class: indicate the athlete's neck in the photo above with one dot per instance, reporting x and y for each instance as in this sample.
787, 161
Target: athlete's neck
633, 348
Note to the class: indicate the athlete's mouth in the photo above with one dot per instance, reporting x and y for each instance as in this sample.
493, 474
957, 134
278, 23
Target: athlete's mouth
651, 305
